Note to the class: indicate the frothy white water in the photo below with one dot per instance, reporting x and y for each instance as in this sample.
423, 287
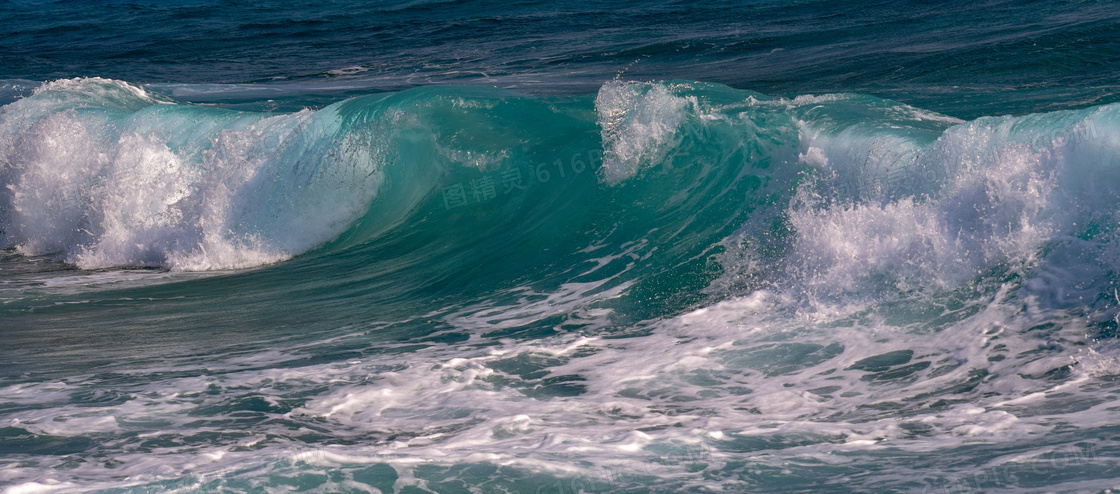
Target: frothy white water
1029, 195
685, 401
104, 174
640, 124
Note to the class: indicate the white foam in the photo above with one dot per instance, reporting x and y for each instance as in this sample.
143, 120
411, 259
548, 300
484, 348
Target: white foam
36, 487
1002, 189
97, 89
118, 183
690, 384
639, 124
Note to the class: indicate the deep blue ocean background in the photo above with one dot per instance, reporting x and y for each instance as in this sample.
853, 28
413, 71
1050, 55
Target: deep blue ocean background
530, 247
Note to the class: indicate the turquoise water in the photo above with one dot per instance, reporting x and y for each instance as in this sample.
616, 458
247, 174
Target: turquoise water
445, 248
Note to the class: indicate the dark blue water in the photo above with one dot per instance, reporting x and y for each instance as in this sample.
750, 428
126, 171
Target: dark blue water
966, 59
614, 247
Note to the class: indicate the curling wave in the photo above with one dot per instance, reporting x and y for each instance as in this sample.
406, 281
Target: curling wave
833, 194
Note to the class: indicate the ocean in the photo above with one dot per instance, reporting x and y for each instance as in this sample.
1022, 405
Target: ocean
530, 247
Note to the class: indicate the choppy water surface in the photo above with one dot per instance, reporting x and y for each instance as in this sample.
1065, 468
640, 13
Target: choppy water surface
439, 247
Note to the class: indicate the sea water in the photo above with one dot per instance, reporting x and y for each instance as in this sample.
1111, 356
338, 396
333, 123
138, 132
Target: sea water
538, 248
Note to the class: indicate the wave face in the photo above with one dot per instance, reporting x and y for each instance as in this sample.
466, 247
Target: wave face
663, 285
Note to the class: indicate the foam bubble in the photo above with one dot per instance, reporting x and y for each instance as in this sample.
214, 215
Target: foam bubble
99, 172
936, 213
639, 125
